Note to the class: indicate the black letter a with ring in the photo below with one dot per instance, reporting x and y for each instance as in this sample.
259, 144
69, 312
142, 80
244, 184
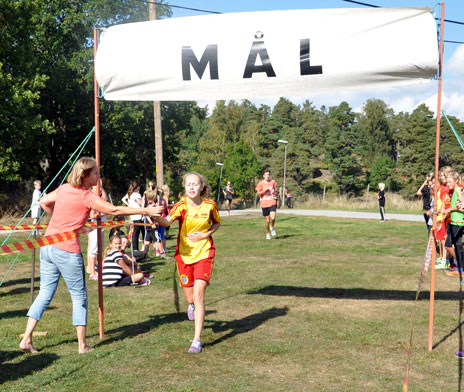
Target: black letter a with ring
258, 48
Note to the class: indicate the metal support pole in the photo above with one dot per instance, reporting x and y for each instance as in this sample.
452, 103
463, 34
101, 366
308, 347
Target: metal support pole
284, 142
219, 186
437, 156
367, 194
285, 175
97, 158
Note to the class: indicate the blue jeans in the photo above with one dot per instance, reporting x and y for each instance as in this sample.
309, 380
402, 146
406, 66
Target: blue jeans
55, 262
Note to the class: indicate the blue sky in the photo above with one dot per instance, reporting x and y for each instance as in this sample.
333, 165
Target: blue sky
399, 98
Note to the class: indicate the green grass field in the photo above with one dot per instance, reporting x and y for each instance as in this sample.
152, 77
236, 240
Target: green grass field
326, 306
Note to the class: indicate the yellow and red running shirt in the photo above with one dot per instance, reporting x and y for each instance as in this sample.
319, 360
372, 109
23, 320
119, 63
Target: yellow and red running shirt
192, 220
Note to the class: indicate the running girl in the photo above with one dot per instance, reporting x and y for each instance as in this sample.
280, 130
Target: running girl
198, 219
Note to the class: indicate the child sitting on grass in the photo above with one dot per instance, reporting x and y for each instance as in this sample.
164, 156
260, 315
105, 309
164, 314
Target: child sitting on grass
115, 271
137, 255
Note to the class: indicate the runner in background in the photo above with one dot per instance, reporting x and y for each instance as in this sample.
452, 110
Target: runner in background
229, 194
381, 197
267, 192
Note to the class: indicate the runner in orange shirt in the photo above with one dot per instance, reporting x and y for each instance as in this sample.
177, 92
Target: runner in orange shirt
267, 191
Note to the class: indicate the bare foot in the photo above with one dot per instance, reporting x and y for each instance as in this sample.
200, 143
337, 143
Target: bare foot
87, 349
27, 348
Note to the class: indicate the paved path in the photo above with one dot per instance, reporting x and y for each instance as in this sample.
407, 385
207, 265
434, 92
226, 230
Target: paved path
328, 213
333, 214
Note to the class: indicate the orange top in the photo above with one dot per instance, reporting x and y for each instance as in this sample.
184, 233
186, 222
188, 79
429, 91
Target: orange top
71, 212
267, 199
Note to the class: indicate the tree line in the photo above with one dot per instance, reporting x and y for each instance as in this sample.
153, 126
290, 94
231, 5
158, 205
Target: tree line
46, 84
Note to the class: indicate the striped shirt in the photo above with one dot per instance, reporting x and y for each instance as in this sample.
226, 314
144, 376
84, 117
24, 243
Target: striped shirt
112, 271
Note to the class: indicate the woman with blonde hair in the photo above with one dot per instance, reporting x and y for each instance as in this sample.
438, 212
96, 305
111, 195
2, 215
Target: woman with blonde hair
69, 207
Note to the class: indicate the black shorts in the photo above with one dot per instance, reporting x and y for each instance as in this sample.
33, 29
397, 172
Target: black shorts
124, 281
448, 242
456, 234
268, 210
152, 236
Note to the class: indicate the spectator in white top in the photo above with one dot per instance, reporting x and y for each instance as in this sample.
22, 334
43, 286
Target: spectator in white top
36, 211
134, 200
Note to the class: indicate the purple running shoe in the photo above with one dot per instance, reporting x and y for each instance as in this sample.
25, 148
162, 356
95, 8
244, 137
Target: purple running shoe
195, 348
191, 312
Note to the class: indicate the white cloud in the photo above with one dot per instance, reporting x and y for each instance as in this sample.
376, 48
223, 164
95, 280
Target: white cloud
455, 65
452, 104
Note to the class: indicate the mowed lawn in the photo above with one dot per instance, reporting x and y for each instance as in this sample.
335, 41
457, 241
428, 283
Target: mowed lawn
326, 306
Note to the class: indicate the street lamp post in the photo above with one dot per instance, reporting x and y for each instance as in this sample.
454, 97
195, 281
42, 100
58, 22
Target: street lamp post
284, 142
220, 180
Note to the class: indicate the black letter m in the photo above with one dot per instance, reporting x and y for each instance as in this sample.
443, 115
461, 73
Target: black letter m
209, 56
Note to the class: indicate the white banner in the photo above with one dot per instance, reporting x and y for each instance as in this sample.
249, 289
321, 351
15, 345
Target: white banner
263, 54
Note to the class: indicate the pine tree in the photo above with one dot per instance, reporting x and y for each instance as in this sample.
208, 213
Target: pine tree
375, 130
344, 163
241, 168
416, 138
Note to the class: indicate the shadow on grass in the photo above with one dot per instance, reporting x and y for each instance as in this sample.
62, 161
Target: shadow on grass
448, 335
151, 265
285, 218
13, 314
138, 329
30, 364
20, 281
243, 325
282, 237
354, 293
130, 330
18, 290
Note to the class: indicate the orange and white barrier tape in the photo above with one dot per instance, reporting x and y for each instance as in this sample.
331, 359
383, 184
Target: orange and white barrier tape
22, 246
35, 243
23, 227
93, 224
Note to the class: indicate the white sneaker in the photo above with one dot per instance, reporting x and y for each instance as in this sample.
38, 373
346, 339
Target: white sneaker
191, 312
273, 233
268, 236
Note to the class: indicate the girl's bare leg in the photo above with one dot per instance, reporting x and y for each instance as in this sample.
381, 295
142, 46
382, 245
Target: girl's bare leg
199, 288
